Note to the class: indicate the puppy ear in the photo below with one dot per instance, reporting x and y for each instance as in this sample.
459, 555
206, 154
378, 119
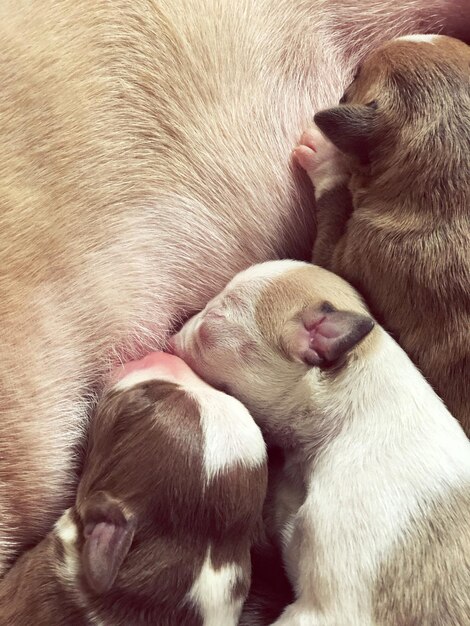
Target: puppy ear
349, 127
324, 335
108, 533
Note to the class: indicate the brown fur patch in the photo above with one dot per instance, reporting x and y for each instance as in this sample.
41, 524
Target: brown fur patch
147, 450
406, 245
30, 593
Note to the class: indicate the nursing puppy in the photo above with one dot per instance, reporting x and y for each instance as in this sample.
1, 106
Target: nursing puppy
166, 512
403, 131
135, 182
373, 510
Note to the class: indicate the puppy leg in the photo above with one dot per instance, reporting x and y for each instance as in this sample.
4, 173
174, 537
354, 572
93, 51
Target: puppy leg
328, 171
298, 615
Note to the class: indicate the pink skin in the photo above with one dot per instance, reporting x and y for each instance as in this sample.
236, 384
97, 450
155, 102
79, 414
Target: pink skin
315, 154
167, 365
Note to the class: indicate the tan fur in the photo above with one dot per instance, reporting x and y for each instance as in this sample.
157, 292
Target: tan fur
135, 181
436, 566
296, 290
278, 308
406, 246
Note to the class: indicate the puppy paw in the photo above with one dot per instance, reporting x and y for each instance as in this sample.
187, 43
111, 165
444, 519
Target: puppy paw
322, 161
312, 151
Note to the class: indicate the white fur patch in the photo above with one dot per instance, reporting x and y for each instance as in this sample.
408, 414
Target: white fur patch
230, 434
329, 181
419, 38
212, 593
66, 531
399, 449
294, 615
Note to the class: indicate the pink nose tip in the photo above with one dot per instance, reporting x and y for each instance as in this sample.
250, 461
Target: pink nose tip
160, 361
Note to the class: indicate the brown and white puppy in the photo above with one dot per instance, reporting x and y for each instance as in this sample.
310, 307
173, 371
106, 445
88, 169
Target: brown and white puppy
135, 182
166, 512
405, 242
373, 510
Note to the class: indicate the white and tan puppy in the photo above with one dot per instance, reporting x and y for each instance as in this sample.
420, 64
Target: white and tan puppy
374, 507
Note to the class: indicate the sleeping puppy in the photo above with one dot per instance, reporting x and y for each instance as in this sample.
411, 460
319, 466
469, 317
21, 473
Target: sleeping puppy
402, 130
166, 512
372, 512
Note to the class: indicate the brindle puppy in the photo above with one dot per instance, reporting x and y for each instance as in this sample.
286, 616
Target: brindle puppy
402, 130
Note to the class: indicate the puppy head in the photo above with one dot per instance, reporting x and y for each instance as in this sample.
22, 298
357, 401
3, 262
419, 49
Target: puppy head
407, 88
172, 465
274, 326
134, 466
